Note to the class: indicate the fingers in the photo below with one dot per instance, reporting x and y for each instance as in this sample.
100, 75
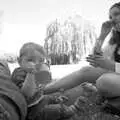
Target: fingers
92, 59
93, 64
21, 78
94, 56
98, 56
91, 56
20, 72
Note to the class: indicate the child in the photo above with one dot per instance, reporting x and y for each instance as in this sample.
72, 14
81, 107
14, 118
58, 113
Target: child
30, 55
39, 106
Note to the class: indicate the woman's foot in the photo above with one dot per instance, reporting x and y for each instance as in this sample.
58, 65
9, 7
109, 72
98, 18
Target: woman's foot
91, 92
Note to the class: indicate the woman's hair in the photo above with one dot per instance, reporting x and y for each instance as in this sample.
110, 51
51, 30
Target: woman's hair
115, 5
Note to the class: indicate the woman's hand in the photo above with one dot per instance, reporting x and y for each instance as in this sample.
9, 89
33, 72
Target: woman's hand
101, 61
105, 29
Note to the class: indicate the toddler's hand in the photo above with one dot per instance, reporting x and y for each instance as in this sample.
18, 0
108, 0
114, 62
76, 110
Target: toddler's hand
18, 76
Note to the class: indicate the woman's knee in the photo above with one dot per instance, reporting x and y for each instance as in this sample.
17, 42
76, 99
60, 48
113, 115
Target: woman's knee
87, 70
104, 83
90, 74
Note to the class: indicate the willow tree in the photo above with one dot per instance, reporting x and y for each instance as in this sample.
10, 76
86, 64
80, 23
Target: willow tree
74, 34
68, 30
49, 40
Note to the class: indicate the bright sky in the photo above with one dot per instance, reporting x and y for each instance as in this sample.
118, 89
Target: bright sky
26, 20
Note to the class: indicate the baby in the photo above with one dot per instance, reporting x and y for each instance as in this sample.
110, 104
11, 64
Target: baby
29, 78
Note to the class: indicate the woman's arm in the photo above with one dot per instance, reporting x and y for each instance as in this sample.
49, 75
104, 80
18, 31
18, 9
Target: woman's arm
105, 30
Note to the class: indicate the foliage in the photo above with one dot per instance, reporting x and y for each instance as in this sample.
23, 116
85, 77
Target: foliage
75, 36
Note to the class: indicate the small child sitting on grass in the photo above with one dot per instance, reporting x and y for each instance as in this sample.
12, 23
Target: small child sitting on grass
46, 107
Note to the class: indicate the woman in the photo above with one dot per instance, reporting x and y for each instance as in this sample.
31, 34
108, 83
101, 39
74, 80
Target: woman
104, 71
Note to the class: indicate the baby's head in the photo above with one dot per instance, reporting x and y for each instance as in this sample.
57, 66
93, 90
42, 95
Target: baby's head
31, 54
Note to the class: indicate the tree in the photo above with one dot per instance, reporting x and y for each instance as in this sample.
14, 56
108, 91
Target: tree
74, 35
51, 31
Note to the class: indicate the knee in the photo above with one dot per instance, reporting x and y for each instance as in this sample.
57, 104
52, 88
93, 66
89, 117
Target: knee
104, 82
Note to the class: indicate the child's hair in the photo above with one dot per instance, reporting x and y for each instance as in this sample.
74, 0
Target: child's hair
32, 46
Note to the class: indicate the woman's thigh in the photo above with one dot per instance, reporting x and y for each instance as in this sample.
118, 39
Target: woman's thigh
85, 74
109, 84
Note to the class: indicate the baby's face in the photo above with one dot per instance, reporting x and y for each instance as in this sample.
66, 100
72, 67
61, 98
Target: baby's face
32, 58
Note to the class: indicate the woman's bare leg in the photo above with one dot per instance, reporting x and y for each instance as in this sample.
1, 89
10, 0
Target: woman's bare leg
88, 73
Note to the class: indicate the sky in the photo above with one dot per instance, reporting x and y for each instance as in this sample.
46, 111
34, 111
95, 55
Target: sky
26, 20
